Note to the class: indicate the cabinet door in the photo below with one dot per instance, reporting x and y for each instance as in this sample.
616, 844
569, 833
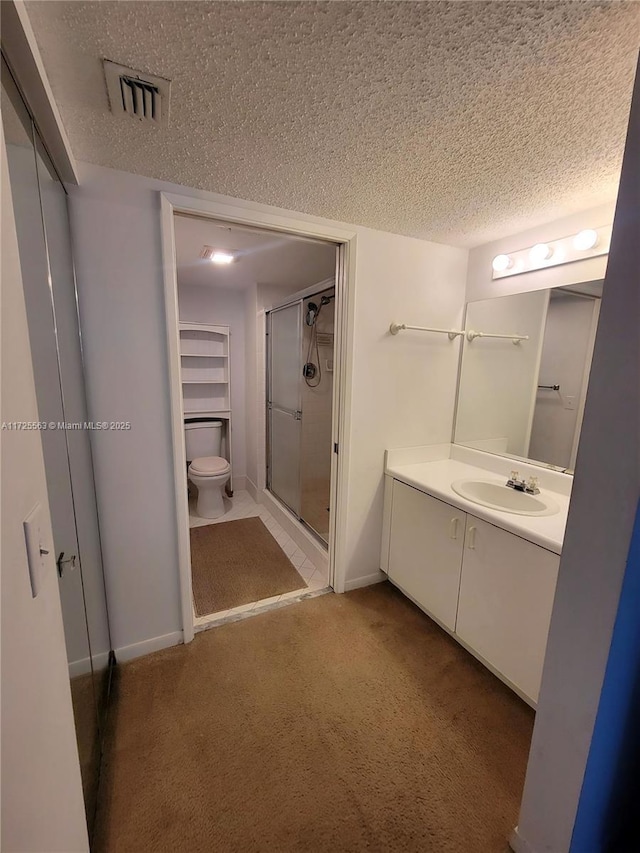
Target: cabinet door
506, 596
425, 552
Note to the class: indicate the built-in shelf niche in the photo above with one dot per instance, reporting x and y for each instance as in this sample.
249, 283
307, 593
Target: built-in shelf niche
204, 361
204, 370
204, 341
200, 397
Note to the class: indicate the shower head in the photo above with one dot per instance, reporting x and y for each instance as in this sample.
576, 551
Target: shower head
327, 299
312, 313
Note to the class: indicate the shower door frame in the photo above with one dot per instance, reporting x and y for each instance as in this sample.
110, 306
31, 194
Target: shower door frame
269, 408
294, 298
259, 216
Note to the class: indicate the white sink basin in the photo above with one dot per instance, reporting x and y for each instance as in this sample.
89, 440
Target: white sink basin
495, 495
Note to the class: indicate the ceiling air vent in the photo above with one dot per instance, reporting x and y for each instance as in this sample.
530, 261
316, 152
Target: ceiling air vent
206, 253
137, 94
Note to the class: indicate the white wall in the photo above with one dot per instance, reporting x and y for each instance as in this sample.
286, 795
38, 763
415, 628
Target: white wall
601, 517
498, 378
403, 387
227, 308
269, 295
481, 286
42, 805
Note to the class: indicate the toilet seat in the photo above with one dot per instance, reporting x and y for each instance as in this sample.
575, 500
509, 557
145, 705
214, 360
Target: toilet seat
210, 466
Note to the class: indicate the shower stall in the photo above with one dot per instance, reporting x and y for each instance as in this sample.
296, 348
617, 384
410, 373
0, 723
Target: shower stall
300, 348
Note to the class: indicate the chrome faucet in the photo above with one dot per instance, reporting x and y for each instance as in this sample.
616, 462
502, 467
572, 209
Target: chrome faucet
529, 486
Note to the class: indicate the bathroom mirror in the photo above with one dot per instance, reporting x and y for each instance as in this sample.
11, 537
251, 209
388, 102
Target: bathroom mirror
523, 379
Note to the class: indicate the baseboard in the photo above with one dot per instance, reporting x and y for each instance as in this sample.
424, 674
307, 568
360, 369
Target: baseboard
239, 483
365, 580
253, 490
519, 844
146, 647
83, 666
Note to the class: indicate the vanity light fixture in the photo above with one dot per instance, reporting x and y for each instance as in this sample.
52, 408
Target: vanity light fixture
540, 253
588, 243
501, 263
222, 258
586, 239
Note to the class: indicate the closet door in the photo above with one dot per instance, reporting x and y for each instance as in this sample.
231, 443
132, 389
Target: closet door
53, 199
44, 245
284, 404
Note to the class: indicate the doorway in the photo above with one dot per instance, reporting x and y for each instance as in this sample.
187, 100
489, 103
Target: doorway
233, 302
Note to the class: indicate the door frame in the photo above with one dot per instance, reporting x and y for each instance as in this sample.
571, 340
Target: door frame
261, 217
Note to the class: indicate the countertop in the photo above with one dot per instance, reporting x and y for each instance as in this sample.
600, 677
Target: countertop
435, 478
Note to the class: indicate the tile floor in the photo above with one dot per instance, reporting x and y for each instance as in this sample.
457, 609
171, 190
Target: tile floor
242, 505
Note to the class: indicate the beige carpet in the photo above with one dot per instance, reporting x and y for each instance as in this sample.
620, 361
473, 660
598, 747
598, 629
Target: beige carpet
341, 723
237, 562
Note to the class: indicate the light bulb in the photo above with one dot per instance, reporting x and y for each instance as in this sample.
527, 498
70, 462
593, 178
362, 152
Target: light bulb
221, 258
540, 252
501, 263
586, 239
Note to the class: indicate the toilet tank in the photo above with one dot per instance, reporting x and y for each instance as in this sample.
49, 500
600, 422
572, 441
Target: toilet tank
202, 438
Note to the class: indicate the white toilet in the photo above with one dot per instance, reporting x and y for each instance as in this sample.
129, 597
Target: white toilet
207, 470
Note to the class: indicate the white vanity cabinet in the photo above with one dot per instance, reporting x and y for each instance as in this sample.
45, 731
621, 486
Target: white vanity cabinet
425, 551
490, 588
506, 596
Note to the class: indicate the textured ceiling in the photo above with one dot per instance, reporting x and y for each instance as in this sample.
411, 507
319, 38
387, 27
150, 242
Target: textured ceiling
453, 121
261, 258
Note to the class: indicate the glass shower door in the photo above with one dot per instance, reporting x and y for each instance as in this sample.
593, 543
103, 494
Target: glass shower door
284, 404
317, 411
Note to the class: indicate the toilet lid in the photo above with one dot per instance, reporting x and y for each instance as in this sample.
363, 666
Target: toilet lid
209, 465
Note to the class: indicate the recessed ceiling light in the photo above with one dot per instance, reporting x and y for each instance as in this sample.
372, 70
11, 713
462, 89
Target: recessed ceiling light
501, 263
586, 239
540, 252
221, 258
